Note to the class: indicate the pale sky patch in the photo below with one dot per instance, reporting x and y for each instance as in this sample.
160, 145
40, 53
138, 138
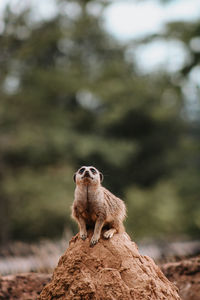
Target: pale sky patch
132, 19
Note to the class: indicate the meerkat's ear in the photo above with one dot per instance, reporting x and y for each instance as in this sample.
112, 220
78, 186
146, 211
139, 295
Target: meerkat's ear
74, 177
101, 176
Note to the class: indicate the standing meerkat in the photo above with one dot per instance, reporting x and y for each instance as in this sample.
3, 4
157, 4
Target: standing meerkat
95, 206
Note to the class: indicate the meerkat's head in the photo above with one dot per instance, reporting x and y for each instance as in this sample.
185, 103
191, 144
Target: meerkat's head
88, 175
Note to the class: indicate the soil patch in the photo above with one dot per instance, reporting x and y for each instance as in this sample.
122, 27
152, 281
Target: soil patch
22, 286
186, 275
91, 271
112, 269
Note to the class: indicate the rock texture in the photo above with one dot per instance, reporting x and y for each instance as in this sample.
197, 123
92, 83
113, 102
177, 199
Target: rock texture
113, 269
186, 275
22, 286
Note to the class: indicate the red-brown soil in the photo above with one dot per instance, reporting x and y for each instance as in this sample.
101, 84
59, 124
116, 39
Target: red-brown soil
112, 269
88, 272
22, 286
186, 275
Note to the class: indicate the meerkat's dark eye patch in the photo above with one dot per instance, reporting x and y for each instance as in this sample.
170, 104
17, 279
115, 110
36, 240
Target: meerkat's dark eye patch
81, 170
93, 170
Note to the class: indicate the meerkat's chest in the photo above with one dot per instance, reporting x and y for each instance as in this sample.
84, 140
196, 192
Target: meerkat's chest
90, 211
89, 202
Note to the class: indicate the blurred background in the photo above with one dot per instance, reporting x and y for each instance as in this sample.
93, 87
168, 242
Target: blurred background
114, 84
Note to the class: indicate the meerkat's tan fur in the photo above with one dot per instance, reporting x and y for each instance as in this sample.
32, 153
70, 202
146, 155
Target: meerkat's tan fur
95, 206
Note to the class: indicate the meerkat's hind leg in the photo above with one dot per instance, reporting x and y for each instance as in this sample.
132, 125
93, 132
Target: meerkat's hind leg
109, 233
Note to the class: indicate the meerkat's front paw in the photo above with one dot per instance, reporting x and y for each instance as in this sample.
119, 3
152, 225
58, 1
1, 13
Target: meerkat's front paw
83, 235
94, 240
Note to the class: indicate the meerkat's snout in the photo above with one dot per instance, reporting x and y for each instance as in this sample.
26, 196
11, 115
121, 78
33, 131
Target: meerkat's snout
86, 174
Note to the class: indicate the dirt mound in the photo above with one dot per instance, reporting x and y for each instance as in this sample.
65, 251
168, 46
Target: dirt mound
23, 286
186, 275
112, 269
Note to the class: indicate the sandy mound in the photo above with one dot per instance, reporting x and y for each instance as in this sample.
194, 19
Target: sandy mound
112, 269
22, 286
186, 275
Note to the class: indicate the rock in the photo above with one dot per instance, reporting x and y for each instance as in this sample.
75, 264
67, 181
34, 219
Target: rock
112, 269
22, 286
186, 275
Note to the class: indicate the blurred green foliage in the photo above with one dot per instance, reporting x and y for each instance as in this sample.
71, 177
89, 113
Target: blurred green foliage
70, 97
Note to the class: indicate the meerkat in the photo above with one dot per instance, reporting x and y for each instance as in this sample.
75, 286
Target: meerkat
96, 206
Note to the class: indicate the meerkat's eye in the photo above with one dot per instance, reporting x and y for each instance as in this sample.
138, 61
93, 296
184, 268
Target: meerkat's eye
81, 170
93, 170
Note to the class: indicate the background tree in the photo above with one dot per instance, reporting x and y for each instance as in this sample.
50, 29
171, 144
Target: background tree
70, 96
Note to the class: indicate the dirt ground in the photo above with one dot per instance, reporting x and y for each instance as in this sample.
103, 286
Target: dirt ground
115, 267
186, 275
26, 286
112, 269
